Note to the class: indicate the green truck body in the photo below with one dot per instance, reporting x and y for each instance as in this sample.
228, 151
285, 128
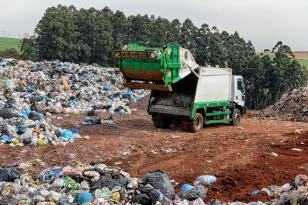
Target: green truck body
180, 88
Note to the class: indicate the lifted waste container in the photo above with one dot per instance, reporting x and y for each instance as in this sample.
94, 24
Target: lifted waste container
181, 89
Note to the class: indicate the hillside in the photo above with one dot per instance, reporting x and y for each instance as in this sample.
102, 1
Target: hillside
301, 57
6, 43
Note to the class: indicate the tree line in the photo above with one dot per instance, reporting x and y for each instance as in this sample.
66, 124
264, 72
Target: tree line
90, 35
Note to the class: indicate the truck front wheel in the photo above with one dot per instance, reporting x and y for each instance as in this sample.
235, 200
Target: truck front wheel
161, 121
197, 123
236, 117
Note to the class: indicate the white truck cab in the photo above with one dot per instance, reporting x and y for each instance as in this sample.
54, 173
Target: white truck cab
238, 90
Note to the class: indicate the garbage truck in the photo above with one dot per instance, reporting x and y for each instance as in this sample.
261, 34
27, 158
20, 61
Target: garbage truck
182, 90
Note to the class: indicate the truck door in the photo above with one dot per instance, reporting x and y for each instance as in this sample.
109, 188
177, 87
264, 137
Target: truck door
239, 91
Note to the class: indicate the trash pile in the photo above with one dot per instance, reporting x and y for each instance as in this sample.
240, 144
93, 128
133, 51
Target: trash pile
29, 91
99, 184
31, 129
295, 192
57, 87
291, 106
95, 184
6, 62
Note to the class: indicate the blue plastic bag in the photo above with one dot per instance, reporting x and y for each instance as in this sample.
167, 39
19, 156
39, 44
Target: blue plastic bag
74, 130
187, 187
30, 90
55, 172
84, 198
67, 134
107, 88
6, 139
25, 113
127, 93
20, 129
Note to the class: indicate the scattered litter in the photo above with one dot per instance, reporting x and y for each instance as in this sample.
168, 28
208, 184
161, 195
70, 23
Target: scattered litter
298, 131
297, 149
168, 150
153, 151
274, 154
91, 121
206, 179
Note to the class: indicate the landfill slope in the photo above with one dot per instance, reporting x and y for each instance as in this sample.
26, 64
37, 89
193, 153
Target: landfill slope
57, 87
291, 106
32, 91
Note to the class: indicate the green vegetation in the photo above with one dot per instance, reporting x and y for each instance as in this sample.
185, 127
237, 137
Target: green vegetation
303, 62
7, 43
90, 36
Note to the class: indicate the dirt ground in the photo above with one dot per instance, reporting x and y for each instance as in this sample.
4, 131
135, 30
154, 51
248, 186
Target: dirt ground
241, 157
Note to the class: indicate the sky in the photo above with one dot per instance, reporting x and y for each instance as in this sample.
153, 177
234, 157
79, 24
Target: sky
264, 22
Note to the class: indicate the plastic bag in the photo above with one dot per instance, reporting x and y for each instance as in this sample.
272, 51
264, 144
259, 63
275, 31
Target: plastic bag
160, 181
8, 174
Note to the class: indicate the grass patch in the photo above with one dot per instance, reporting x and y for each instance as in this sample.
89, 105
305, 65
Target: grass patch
6, 43
303, 62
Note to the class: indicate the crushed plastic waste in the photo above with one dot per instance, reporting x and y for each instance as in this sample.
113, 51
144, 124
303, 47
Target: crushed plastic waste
96, 121
291, 106
87, 184
91, 121
160, 181
192, 193
290, 193
100, 184
206, 179
6, 62
8, 174
29, 91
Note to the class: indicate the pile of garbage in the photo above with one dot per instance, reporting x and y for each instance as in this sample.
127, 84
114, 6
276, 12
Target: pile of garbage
57, 87
291, 106
30, 91
99, 184
32, 130
295, 192
95, 184
7, 61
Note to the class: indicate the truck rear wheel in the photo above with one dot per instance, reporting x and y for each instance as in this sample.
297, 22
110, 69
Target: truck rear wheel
197, 123
161, 121
236, 117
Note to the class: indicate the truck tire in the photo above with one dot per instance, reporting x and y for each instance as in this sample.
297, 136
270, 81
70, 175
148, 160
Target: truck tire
236, 117
161, 121
197, 123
